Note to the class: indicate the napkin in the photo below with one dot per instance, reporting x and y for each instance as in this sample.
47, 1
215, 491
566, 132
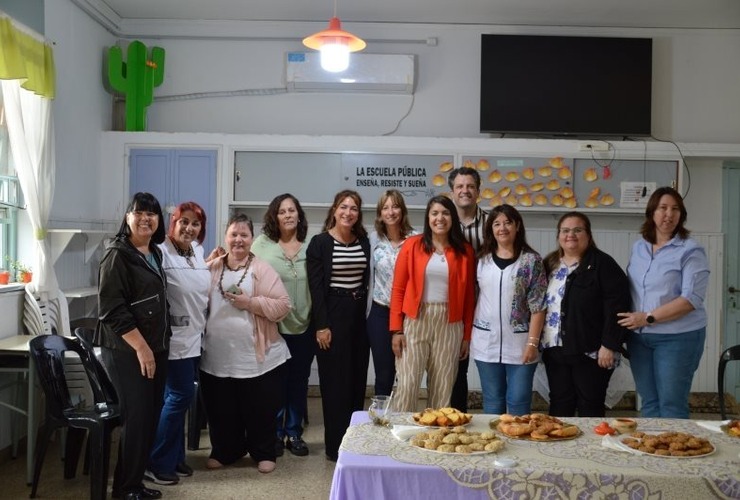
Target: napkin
405, 432
712, 425
615, 444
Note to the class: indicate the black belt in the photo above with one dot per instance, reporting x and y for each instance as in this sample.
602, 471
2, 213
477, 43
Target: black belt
356, 293
380, 305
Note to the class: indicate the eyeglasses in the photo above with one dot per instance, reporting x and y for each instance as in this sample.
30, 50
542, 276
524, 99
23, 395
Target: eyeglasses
574, 230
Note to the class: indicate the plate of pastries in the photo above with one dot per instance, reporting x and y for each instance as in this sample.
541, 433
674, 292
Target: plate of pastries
442, 417
669, 444
732, 428
535, 427
457, 441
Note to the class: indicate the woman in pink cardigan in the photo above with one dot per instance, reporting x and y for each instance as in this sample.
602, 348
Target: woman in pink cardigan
243, 361
432, 306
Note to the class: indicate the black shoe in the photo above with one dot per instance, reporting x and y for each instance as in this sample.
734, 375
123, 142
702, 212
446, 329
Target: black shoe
297, 446
279, 447
161, 478
331, 457
143, 494
184, 470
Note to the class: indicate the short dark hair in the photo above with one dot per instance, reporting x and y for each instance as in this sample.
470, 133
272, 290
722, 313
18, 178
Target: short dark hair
490, 244
199, 213
270, 224
397, 198
648, 229
358, 228
145, 202
456, 237
463, 171
239, 218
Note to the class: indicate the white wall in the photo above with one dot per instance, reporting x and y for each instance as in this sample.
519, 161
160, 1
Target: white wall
694, 96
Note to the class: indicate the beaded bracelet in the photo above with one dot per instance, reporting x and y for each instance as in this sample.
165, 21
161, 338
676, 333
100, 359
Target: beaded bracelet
532, 344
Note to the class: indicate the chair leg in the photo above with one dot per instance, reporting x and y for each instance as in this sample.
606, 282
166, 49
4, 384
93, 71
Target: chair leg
100, 450
75, 438
721, 387
42, 443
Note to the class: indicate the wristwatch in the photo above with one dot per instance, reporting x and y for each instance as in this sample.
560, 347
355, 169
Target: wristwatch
650, 319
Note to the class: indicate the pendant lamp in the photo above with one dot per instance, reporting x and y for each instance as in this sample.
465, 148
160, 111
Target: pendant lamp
334, 44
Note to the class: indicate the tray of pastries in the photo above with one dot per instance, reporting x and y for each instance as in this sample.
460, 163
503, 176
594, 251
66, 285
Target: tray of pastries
669, 444
442, 417
535, 427
457, 440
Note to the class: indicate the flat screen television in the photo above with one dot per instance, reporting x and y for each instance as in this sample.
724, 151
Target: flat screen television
565, 85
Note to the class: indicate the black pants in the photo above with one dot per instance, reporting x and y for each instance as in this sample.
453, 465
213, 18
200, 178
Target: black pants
241, 414
141, 402
459, 398
577, 383
343, 368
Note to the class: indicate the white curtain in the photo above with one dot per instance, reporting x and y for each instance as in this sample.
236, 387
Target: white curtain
30, 130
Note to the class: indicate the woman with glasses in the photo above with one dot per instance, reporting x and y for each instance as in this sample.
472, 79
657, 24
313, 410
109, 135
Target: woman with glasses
283, 245
338, 271
392, 228
582, 339
669, 273
188, 280
134, 334
509, 313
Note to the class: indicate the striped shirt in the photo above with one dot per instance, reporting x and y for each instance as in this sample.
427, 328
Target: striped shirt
348, 265
473, 232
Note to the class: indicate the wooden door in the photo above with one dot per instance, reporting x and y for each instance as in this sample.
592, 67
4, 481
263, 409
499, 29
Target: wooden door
731, 296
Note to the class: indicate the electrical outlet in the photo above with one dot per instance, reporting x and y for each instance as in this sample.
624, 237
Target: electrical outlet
594, 146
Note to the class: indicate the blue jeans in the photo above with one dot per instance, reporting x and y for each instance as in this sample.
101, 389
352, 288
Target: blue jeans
506, 388
302, 349
663, 366
169, 444
384, 361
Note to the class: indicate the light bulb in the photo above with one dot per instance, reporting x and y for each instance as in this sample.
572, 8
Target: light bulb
335, 57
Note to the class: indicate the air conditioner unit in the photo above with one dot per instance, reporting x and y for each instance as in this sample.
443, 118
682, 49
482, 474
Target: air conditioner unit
381, 73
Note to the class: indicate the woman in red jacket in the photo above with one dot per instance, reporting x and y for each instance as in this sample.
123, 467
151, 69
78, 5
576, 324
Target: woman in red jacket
432, 305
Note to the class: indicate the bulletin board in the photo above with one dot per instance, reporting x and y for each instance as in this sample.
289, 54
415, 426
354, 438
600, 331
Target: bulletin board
314, 178
561, 184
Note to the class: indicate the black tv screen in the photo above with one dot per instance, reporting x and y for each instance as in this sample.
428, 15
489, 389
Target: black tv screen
565, 85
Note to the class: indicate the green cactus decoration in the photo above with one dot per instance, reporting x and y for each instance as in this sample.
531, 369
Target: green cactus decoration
136, 79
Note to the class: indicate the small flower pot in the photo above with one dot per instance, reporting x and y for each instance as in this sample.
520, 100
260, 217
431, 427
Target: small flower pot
25, 277
4, 277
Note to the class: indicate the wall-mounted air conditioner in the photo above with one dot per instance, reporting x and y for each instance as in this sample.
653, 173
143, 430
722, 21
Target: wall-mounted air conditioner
385, 73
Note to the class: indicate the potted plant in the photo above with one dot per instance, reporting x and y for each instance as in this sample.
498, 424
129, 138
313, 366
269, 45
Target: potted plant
4, 276
23, 273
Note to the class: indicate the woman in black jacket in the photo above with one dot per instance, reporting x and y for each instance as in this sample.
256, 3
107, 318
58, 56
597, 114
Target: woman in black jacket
134, 332
582, 340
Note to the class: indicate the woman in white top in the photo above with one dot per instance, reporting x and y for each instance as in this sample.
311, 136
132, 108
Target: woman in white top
392, 227
243, 365
188, 280
509, 313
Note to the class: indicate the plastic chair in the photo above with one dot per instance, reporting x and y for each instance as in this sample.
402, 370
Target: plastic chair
48, 353
730, 354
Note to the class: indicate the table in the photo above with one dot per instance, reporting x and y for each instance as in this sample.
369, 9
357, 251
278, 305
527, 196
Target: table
374, 464
15, 358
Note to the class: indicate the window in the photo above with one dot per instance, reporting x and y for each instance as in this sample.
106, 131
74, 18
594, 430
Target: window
10, 194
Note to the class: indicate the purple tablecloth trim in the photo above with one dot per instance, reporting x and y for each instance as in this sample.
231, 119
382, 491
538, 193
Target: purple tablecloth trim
571, 469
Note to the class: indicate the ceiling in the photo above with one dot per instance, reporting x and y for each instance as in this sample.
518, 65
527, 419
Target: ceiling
620, 13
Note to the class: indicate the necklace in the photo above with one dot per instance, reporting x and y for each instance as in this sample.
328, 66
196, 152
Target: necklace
188, 254
244, 274
441, 254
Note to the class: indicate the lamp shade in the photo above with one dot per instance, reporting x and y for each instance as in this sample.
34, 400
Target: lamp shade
335, 45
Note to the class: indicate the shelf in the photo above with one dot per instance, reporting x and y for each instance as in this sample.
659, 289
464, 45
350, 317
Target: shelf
60, 238
79, 293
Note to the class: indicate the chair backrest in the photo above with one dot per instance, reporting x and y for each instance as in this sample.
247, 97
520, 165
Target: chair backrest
48, 353
85, 337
